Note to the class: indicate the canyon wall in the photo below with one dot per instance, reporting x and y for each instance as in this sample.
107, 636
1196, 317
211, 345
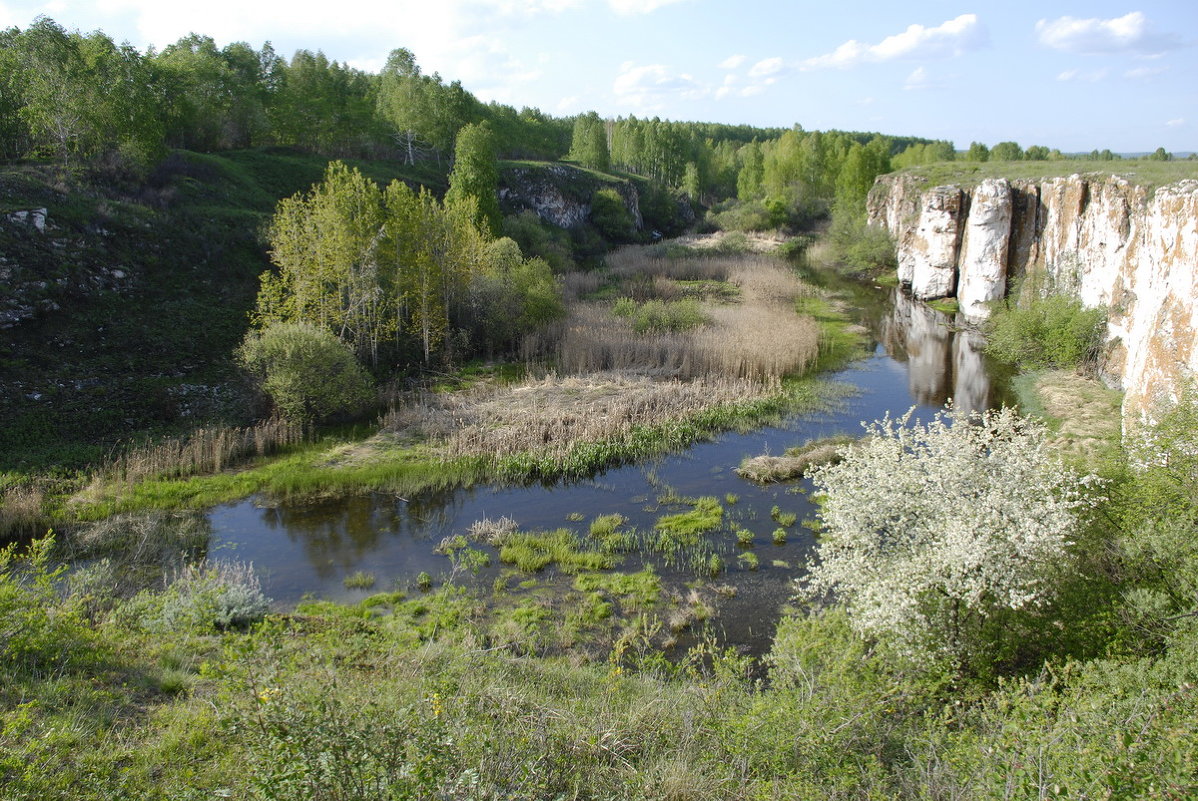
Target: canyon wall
1102, 239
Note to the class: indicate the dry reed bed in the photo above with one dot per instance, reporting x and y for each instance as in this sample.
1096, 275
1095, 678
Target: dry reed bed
759, 338
205, 450
549, 416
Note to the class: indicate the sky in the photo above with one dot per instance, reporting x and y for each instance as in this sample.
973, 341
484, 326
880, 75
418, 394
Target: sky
1076, 76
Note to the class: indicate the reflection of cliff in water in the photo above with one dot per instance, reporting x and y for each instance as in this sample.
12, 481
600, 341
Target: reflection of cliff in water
944, 360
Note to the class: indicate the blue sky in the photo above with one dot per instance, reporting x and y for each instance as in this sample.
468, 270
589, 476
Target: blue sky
1071, 75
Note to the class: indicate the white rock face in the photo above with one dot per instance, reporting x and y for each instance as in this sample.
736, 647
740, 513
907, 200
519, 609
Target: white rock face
36, 217
935, 245
1102, 240
983, 265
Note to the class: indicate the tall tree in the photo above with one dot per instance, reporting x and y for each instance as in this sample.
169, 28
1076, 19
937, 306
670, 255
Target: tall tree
588, 145
475, 177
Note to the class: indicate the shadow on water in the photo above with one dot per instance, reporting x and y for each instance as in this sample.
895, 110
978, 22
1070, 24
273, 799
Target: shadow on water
915, 356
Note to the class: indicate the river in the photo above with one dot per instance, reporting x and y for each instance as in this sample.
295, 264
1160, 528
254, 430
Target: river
915, 356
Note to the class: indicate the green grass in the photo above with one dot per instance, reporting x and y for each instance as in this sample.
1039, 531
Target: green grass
638, 590
359, 580
532, 552
305, 473
1141, 172
685, 528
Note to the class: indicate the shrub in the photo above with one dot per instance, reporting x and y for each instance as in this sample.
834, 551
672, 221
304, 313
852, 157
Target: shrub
929, 529
1051, 332
308, 373
205, 597
610, 215
39, 632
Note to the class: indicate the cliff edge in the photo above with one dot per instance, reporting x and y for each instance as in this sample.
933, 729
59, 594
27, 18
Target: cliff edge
1100, 238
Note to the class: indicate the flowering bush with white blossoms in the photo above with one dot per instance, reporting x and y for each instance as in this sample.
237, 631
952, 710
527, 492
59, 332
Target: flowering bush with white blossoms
929, 528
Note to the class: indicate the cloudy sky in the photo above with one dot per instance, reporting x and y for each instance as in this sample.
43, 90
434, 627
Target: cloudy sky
1071, 75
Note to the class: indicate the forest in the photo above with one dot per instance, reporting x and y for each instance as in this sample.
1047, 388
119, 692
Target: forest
336, 304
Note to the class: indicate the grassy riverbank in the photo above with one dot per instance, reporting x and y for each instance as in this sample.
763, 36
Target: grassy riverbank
669, 389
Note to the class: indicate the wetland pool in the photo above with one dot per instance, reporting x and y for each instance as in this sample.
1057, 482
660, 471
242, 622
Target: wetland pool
916, 356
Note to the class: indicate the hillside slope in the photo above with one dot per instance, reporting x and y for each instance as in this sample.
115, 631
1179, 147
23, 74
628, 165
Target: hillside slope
122, 301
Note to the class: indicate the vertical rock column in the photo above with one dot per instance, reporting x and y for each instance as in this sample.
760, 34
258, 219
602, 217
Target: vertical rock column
983, 266
936, 242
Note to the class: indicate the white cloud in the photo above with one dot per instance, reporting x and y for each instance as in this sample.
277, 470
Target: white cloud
723, 92
1141, 73
648, 86
951, 38
1089, 76
767, 67
732, 62
752, 91
1129, 33
1177, 123
918, 79
639, 6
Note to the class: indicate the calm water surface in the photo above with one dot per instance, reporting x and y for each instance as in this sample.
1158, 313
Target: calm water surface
917, 357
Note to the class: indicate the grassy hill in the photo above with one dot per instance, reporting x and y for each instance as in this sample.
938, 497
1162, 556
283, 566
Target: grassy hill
134, 296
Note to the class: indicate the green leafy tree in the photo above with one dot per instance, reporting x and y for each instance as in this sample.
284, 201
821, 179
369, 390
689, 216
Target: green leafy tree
977, 152
306, 371
476, 177
324, 244
1006, 151
928, 530
82, 96
588, 146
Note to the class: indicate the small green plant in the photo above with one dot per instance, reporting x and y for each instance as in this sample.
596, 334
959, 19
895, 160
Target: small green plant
424, 581
779, 536
604, 526
359, 580
576, 517
784, 519
744, 538
685, 527
731, 499
533, 551
749, 560
715, 565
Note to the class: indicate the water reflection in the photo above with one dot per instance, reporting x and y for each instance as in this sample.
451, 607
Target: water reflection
944, 357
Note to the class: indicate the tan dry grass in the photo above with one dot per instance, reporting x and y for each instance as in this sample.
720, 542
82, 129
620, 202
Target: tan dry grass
766, 469
549, 415
1085, 413
205, 450
22, 511
759, 338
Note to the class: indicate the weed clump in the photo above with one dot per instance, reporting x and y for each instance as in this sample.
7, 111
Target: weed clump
531, 552
202, 597
795, 463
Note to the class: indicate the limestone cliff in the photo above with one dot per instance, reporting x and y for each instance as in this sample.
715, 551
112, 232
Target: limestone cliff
1102, 239
561, 194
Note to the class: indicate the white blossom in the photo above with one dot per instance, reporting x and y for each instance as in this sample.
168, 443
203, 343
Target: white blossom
924, 524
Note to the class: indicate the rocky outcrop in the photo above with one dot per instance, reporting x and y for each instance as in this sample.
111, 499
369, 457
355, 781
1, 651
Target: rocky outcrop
1102, 239
561, 194
931, 251
983, 261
